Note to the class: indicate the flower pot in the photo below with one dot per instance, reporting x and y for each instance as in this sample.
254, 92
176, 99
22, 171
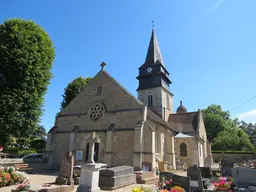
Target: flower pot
222, 188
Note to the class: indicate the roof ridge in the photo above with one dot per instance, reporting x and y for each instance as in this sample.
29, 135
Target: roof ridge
184, 113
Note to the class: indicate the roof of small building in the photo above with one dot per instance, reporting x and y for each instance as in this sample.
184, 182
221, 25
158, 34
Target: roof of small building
185, 122
181, 135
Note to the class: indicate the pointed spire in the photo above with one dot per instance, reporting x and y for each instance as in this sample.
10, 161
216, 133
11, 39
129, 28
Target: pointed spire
154, 53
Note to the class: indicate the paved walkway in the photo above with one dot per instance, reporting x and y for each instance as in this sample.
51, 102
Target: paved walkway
37, 180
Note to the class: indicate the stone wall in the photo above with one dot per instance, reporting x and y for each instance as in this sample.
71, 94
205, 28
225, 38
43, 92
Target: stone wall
122, 148
192, 151
59, 144
9, 162
121, 108
231, 156
159, 100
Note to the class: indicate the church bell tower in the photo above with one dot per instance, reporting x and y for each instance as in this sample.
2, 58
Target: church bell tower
154, 81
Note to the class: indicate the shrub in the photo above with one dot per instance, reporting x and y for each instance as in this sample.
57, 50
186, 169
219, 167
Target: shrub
26, 152
38, 143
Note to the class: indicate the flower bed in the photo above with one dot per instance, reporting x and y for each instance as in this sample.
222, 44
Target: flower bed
164, 185
8, 176
225, 184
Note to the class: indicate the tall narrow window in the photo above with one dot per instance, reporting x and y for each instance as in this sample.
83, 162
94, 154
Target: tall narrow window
96, 152
150, 100
167, 101
87, 152
99, 91
183, 150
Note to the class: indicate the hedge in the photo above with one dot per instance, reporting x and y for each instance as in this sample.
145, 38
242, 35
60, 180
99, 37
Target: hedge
235, 152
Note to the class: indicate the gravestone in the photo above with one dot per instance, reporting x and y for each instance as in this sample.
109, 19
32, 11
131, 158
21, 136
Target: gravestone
244, 177
181, 181
116, 177
205, 172
167, 175
195, 176
147, 165
207, 162
226, 166
66, 169
89, 178
227, 163
177, 180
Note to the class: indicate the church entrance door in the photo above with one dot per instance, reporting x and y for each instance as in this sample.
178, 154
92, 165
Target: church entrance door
96, 152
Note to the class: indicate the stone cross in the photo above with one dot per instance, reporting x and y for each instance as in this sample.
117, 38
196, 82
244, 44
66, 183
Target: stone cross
103, 64
93, 139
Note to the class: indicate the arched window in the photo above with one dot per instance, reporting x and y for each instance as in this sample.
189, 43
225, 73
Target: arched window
183, 149
150, 100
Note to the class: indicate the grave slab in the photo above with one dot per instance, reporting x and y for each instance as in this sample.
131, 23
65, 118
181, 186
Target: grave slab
116, 177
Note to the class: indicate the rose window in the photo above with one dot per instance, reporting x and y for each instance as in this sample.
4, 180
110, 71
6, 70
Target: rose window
96, 112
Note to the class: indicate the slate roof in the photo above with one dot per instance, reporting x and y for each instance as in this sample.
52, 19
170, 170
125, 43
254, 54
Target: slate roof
185, 122
154, 55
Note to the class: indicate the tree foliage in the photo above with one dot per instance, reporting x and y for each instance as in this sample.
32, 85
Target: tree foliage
73, 89
232, 139
39, 132
37, 143
215, 120
26, 57
226, 133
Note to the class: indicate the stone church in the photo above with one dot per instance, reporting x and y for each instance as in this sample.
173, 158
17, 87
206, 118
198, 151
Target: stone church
130, 130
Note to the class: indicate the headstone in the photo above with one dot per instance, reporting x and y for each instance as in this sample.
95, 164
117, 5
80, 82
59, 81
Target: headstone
227, 163
195, 178
177, 180
226, 166
167, 175
147, 165
207, 162
205, 172
226, 171
181, 181
116, 177
66, 169
244, 177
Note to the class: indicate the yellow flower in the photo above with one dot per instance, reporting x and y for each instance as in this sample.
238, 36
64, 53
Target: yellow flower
137, 189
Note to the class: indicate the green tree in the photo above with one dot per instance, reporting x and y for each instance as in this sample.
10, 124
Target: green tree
39, 132
73, 89
26, 57
216, 120
232, 139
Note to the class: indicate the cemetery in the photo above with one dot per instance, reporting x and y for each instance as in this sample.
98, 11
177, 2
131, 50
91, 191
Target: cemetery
106, 139
223, 176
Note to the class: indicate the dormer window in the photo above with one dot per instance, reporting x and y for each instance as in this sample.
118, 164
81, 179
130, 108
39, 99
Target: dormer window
99, 91
150, 100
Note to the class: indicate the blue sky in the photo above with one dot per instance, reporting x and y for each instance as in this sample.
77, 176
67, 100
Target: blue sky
208, 46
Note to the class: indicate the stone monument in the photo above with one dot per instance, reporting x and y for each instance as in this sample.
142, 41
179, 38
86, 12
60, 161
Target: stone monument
66, 169
89, 178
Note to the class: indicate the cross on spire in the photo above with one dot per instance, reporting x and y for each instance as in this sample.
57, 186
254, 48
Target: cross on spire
103, 64
154, 53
